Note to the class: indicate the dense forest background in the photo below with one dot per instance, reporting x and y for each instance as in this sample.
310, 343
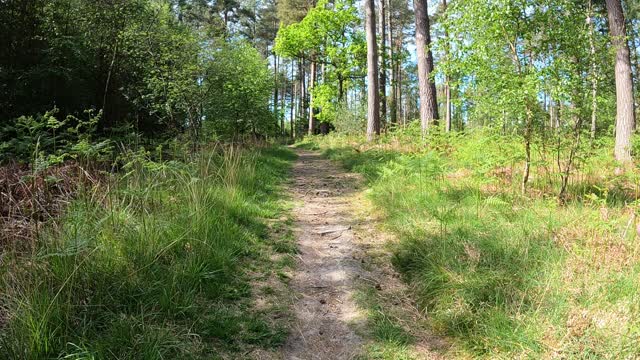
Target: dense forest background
120, 69
131, 71
198, 68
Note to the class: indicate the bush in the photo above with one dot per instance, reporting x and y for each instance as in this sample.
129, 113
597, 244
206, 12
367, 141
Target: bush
350, 121
33, 138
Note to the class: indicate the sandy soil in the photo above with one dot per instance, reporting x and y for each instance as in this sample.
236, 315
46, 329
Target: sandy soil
327, 268
340, 248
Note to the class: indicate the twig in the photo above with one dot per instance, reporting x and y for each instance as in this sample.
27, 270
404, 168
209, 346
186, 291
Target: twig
631, 219
325, 232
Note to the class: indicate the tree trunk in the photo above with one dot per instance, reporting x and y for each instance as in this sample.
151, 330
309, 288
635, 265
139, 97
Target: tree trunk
594, 74
383, 63
283, 105
303, 89
292, 103
312, 84
527, 149
625, 115
447, 79
373, 95
552, 114
402, 109
635, 62
393, 101
275, 89
427, 88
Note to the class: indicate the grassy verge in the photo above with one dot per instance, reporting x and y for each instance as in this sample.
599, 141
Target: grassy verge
166, 264
501, 274
390, 338
394, 327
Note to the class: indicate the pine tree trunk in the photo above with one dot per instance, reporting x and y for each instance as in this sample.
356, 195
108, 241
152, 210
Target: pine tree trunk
373, 94
625, 113
594, 74
402, 109
275, 88
292, 103
312, 84
447, 79
427, 88
383, 63
393, 101
635, 64
283, 106
303, 89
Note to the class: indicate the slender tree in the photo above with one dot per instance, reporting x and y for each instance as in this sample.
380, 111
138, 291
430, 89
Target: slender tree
303, 88
393, 102
625, 114
283, 101
427, 87
383, 62
594, 72
399, 76
275, 84
312, 84
292, 103
373, 98
447, 78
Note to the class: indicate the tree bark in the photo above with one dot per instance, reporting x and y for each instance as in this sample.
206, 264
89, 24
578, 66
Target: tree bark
292, 103
312, 84
283, 104
447, 79
594, 74
393, 102
303, 89
625, 113
275, 88
383, 63
427, 88
402, 109
635, 64
373, 94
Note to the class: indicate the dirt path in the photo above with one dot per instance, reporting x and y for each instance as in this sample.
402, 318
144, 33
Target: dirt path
341, 247
327, 267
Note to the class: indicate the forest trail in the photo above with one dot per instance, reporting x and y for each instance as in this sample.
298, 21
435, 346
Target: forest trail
342, 252
324, 281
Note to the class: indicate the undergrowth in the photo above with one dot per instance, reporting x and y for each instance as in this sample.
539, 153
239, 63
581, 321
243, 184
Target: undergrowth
158, 266
502, 274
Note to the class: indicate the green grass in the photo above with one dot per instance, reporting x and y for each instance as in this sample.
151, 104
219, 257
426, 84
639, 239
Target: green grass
390, 340
158, 266
500, 274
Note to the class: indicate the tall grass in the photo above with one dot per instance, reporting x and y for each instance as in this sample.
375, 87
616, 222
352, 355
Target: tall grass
501, 274
154, 267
